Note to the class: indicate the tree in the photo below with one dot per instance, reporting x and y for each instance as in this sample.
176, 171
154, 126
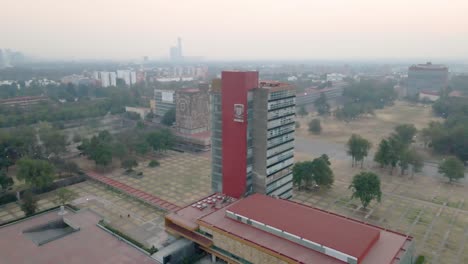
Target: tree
382, 154
119, 150
302, 111
129, 164
321, 171
321, 104
410, 158
53, 141
366, 187
358, 148
28, 203
317, 170
169, 117
64, 196
406, 133
102, 154
315, 126
397, 148
37, 173
161, 140
5, 181
452, 168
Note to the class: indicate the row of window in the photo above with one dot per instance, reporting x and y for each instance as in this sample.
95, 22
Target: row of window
278, 158
281, 94
280, 140
281, 103
281, 112
280, 130
280, 148
279, 166
278, 183
280, 121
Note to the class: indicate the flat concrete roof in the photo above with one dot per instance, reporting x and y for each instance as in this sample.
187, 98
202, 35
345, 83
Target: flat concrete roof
90, 244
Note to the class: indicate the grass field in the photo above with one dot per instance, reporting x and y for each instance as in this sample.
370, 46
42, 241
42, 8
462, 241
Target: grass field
375, 127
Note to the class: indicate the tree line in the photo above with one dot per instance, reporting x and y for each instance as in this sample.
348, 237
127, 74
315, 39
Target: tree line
365, 96
449, 137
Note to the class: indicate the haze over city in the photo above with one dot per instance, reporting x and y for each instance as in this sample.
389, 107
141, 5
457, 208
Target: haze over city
237, 30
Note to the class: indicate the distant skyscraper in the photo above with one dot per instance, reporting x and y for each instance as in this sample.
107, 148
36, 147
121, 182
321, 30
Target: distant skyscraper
2, 61
253, 128
175, 52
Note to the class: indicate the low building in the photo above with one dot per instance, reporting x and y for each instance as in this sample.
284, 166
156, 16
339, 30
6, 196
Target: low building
23, 100
142, 111
71, 238
428, 96
264, 230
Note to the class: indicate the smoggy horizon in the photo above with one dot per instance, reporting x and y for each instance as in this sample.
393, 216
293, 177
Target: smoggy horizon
237, 30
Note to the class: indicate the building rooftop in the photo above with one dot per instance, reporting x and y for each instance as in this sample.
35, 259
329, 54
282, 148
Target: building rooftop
189, 90
428, 66
294, 230
90, 244
275, 85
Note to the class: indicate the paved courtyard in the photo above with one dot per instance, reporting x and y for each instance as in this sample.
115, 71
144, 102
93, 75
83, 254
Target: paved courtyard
181, 178
145, 224
433, 212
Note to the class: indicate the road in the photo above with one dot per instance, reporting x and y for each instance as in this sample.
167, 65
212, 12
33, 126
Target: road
317, 147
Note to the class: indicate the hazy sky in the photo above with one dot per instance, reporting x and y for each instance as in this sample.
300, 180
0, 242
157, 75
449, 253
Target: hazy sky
237, 29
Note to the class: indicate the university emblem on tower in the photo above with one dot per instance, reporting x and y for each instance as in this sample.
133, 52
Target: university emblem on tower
238, 113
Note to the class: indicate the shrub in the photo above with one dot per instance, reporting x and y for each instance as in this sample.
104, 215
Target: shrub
420, 259
315, 126
153, 163
7, 198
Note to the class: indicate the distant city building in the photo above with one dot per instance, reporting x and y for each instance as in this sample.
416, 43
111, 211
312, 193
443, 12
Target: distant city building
129, 77
164, 100
105, 79
77, 80
252, 136
262, 229
335, 77
311, 94
427, 77
113, 79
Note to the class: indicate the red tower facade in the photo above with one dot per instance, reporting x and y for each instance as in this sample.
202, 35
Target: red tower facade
235, 87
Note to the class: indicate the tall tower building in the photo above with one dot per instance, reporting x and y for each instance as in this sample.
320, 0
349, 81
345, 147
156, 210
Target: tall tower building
252, 135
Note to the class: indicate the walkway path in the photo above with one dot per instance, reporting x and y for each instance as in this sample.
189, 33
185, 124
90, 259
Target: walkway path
141, 195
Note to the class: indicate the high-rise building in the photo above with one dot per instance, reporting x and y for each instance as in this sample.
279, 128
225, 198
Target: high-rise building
104, 77
274, 111
129, 77
252, 135
113, 79
427, 77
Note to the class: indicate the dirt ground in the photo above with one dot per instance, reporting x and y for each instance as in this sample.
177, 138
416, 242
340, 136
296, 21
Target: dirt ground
373, 128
